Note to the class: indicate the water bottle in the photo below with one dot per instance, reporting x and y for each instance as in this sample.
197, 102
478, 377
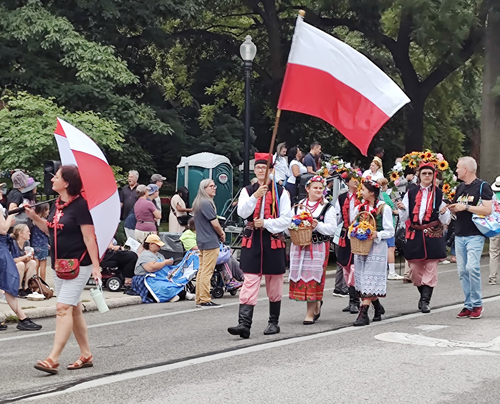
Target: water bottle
28, 249
98, 297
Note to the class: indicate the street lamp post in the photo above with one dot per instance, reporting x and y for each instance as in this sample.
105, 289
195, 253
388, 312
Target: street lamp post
248, 51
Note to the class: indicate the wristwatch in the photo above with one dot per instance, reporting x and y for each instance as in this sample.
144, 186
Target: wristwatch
467, 208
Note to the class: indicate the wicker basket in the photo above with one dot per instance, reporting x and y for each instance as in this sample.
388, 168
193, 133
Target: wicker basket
303, 236
362, 247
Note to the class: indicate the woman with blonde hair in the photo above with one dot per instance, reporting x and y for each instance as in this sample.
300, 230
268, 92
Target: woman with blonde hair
25, 263
209, 234
373, 172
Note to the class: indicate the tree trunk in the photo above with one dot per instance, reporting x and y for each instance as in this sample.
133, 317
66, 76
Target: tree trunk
490, 114
414, 139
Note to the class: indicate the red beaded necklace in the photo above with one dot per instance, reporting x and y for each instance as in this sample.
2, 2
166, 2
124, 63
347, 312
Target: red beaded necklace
60, 206
313, 208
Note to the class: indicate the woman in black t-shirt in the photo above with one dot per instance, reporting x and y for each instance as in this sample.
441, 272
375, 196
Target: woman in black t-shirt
72, 236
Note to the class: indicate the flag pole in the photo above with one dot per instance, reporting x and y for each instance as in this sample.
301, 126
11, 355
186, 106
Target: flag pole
273, 140
302, 14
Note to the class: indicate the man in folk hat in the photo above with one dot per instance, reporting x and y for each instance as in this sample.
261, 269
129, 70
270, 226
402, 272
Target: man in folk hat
423, 206
494, 242
266, 208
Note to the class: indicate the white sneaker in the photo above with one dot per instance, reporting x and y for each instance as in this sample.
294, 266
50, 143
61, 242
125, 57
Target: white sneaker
394, 277
174, 299
190, 296
446, 262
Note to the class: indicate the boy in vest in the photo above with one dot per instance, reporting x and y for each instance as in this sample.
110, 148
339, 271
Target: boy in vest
266, 208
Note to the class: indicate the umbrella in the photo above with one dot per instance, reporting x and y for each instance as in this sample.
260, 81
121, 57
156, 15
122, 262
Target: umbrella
99, 185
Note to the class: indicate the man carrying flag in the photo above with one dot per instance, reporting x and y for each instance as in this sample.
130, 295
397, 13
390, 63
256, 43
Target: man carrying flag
266, 208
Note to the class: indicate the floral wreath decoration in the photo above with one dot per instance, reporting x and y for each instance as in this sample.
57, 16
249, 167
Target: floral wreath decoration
317, 178
415, 159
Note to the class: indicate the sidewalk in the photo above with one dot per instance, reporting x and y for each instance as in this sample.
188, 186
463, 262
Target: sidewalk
47, 308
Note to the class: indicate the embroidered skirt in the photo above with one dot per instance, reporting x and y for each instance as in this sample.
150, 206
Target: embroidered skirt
370, 271
307, 276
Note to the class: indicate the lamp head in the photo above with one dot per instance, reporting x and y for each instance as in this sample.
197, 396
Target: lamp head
248, 50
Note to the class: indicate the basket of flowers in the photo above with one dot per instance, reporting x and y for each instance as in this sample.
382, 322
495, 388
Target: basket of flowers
360, 232
301, 228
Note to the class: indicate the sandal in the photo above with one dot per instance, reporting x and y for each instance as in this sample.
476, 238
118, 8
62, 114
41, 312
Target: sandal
48, 366
82, 362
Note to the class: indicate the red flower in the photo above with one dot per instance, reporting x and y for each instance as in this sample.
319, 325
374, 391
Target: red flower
63, 264
344, 175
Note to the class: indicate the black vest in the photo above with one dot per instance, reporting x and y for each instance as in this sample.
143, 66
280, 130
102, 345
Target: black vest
423, 246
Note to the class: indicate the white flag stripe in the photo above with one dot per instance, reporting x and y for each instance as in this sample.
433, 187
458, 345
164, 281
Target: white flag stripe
79, 141
316, 49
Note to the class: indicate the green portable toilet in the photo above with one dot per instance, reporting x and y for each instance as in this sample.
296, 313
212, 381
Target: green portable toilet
193, 169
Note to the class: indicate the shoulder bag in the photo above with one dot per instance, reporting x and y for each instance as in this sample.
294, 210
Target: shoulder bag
66, 268
488, 225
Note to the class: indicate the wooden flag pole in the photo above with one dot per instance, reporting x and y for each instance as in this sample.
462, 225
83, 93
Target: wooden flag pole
271, 146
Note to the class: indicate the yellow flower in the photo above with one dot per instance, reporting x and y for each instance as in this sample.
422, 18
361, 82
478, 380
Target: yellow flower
412, 164
446, 188
443, 165
428, 155
394, 176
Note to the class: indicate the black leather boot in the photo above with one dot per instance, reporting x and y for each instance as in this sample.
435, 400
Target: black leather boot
274, 316
420, 300
426, 298
379, 310
362, 316
353, 306
244, 322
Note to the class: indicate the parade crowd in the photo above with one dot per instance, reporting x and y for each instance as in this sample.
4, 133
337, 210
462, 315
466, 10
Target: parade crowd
362, 222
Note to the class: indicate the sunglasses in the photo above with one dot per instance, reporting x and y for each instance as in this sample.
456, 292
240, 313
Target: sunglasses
212, 186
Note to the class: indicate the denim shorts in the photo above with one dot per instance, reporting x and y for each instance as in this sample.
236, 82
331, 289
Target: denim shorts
41, 253
391, 242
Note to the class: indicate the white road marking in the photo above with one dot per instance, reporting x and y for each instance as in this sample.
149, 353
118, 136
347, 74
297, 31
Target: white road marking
132, 375
424, 340
431, 327
466, 352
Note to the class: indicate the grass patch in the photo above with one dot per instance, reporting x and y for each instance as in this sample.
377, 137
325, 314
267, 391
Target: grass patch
28, 307
85, 301
11, 319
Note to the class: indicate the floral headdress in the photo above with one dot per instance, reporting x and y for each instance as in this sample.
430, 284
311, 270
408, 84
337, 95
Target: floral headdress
416, 159
373, 183
317, 178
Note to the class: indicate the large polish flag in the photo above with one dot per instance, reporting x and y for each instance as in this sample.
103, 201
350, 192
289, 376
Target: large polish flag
328, 79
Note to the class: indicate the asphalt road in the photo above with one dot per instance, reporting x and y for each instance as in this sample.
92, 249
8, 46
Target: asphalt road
175, 353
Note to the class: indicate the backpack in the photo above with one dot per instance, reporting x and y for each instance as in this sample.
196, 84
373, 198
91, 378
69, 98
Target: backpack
37, 284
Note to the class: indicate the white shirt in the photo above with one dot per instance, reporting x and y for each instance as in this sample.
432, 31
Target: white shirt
352, 206
387, 223
246, 208
404, 214
374, 177
302, 168
329, 224
281, 170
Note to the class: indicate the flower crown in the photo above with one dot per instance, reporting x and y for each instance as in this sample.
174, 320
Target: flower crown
317, 178
373, 183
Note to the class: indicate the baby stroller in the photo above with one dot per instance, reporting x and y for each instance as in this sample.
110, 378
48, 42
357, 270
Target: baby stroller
219, 287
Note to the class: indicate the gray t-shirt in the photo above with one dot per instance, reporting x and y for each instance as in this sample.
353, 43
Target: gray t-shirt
206, 236
310, 162
145, 257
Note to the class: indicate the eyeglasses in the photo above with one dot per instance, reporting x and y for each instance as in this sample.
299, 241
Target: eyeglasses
427, 173
260, 168
212, 186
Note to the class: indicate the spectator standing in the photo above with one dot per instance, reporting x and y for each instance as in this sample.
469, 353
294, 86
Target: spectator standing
72, 237
280, 160
178, 208
373, 172
469, 241
495, 243
296, 169
379, 156
40, 241
209, 234
146, 214
15, 196
310, 158
158, 179
128, 194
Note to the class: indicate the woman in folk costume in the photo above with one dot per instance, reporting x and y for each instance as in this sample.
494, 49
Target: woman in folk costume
370, 271
425, 241
344, 209
308, 264
266, 208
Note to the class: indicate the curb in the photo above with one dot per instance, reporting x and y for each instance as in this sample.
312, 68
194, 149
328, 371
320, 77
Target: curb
42, 312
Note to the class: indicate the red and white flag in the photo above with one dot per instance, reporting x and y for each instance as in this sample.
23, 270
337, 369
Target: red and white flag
328, 79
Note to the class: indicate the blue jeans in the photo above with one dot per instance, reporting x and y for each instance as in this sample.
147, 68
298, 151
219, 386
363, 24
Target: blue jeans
469, 251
